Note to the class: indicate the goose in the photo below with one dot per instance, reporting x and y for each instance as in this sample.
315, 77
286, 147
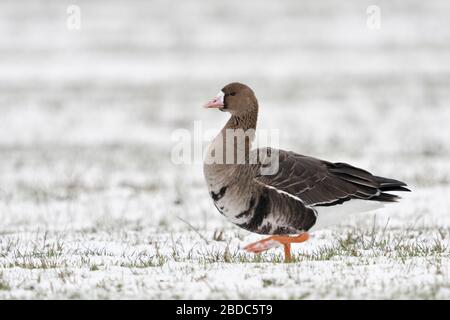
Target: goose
300, 195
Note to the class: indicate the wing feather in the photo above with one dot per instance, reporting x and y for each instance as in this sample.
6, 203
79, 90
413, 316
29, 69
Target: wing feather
321, 183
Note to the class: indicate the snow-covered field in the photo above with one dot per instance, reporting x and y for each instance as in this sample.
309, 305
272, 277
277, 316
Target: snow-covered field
92, 207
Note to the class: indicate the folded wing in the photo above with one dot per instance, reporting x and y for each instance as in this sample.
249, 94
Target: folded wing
322, 183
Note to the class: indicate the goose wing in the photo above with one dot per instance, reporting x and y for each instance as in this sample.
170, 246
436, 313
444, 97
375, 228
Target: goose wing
321, 183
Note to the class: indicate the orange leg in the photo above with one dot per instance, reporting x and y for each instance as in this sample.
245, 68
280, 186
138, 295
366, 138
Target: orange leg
275, 241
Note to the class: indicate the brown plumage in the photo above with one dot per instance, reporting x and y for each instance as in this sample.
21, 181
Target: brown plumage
285, 202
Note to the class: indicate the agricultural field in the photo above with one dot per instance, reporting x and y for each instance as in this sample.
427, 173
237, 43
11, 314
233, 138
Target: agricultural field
92, 206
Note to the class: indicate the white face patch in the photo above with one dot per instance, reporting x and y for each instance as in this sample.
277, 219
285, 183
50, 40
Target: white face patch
220, 96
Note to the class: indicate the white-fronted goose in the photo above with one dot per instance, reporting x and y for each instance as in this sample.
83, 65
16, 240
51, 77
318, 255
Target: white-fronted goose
303, 194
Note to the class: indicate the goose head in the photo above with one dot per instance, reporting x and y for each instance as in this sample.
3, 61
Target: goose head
235, 98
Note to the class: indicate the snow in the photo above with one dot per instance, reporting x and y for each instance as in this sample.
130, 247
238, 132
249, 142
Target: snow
92, 208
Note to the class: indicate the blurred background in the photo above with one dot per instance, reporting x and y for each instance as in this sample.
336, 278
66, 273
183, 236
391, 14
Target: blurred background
86, 114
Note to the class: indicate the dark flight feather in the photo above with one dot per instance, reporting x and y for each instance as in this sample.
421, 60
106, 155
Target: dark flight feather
322, 183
